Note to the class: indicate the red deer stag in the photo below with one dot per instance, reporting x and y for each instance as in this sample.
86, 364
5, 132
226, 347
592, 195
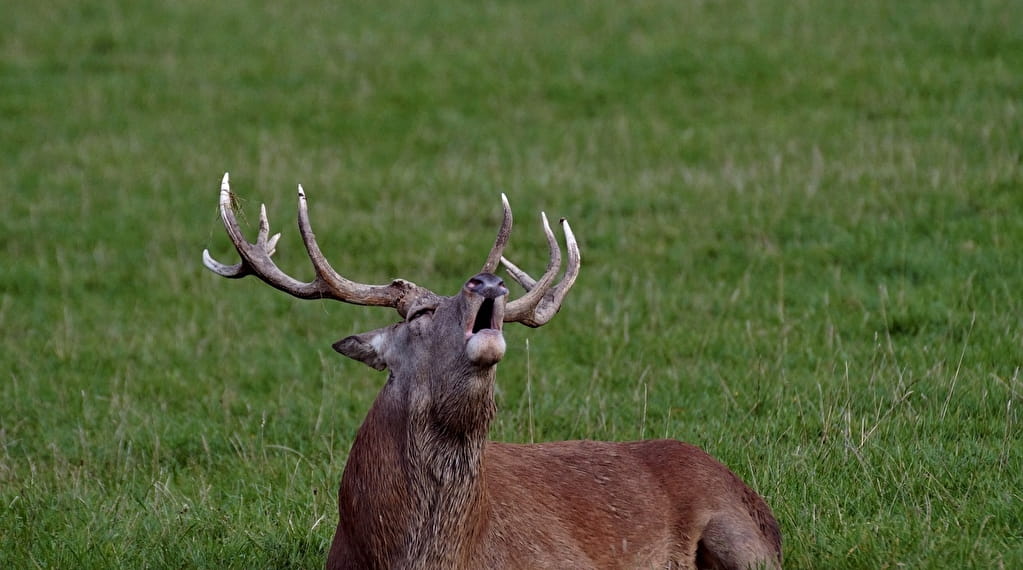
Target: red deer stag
423, 488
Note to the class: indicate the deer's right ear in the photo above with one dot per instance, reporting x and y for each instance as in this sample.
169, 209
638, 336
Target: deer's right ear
367, 348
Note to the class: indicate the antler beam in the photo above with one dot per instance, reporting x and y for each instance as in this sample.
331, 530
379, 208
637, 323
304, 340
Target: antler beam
543, 299
328, 284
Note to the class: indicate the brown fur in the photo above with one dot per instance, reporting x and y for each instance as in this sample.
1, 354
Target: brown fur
423, 488
570, 504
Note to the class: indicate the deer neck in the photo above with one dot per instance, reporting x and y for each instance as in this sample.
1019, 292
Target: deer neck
416, 472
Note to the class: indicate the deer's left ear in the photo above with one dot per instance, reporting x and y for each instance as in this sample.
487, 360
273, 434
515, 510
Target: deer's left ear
367, 348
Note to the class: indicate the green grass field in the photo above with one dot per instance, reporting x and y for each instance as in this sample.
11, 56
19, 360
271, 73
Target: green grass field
802, 236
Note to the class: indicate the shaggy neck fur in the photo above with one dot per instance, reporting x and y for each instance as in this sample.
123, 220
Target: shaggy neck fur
417, 477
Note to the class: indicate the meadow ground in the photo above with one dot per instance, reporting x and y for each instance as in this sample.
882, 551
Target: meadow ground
801, 224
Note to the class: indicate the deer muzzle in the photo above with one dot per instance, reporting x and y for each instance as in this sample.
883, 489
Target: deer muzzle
486, 294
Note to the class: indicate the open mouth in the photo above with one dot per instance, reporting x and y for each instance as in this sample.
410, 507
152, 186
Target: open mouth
484, 341
484, 297
485, 318
489, 318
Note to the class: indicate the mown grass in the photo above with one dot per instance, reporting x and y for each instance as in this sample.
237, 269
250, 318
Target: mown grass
800, 225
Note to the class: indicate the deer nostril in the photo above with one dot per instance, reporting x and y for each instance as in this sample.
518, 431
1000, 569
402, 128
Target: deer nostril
488, 285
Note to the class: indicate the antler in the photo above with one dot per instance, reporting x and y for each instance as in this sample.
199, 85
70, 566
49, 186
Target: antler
328, 284
543, 299
502, 238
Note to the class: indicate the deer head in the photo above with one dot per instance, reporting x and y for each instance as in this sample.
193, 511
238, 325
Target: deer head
442, 354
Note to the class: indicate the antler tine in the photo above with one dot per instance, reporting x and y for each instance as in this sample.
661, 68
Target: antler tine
520, 276
502, 238
262, 247
328, 284
536, 289
396, 295
239, 270
542, 300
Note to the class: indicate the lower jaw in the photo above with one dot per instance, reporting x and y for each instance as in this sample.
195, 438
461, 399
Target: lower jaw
486, 347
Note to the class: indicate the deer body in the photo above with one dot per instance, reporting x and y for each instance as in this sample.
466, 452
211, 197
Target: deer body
424, 488
571, 504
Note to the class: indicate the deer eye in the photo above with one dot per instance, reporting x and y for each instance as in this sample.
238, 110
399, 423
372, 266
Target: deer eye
420, 312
